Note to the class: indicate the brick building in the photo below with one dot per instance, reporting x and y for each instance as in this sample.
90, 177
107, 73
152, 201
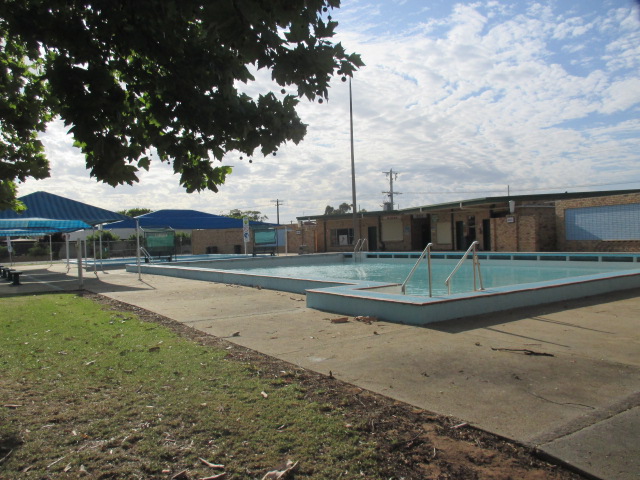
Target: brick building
582, 221
299, 239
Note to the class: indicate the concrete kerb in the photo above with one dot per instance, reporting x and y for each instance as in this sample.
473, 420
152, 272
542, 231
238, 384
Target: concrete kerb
533, 400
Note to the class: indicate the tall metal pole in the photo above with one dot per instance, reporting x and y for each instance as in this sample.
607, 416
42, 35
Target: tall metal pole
138, 248
356, 227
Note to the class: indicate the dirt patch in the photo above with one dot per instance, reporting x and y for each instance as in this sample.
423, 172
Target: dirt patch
412, 443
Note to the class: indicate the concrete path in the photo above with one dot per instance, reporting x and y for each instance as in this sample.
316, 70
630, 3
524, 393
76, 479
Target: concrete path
563, 377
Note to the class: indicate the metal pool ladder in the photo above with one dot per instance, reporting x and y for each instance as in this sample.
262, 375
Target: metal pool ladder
146, 254
358, 248
425, 253
476, 268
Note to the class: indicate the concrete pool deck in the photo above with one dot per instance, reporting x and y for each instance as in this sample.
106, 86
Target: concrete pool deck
579, 403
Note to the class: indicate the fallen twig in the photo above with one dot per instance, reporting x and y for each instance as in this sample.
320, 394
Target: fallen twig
219, 476
6, 456
53, 463
216, 466
526, 351
182, 475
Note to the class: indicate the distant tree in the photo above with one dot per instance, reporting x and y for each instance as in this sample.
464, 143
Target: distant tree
342, 209
136, 79
253, 215
107, 235
135, 212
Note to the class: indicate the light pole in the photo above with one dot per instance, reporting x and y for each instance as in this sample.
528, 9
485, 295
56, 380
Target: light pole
356, 227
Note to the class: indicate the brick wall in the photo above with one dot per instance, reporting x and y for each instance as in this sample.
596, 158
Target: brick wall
223, 240
533, 230
593, 245
302, 238
226, 240
324, 227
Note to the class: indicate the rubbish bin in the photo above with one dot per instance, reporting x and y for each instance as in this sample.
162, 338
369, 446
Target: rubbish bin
212, 249
237, 249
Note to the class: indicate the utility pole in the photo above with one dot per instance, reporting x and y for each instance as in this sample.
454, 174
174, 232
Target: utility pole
392, 176
278, 203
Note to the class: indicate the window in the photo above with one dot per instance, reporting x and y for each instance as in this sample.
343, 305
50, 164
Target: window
443, 233
613, 222
392, 230
341, 237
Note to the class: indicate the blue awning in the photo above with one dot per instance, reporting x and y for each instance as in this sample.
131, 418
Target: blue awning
183, 220
45, 205
23, 227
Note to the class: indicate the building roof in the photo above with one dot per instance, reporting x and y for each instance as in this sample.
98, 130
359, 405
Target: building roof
540, 197
484, 201
44, 205
183, 220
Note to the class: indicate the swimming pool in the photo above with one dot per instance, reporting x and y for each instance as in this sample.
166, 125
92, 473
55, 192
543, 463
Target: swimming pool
494, 273
512, 280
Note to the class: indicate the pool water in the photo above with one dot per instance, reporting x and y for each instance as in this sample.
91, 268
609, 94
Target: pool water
394, 271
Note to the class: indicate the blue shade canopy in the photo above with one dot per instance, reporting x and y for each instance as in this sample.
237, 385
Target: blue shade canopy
182, 220
38, 226
43, 205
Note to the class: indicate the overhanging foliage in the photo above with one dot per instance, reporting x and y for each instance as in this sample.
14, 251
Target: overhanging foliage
136, 80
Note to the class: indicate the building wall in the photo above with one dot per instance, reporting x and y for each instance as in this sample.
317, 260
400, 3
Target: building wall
301, 238
224, 240
533, 229
610, 244
534, 226
230, 240
324, 227
504, 235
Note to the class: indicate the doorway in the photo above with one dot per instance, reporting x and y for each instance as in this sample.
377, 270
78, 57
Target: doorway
420, 232
460, 238
372, 238
486, 234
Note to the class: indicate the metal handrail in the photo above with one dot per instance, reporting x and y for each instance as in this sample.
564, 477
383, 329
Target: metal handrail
426, 252
355, 249
358, 248
476, 266
147, 255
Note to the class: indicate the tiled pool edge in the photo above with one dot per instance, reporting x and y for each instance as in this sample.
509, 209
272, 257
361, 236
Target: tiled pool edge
357, 300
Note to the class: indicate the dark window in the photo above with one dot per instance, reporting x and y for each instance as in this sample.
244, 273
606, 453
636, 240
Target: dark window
341, 237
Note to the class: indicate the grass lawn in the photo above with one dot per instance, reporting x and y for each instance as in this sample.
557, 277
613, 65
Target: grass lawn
94, 389
88, 389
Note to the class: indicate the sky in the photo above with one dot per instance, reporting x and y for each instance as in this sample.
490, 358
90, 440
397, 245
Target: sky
462, 100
